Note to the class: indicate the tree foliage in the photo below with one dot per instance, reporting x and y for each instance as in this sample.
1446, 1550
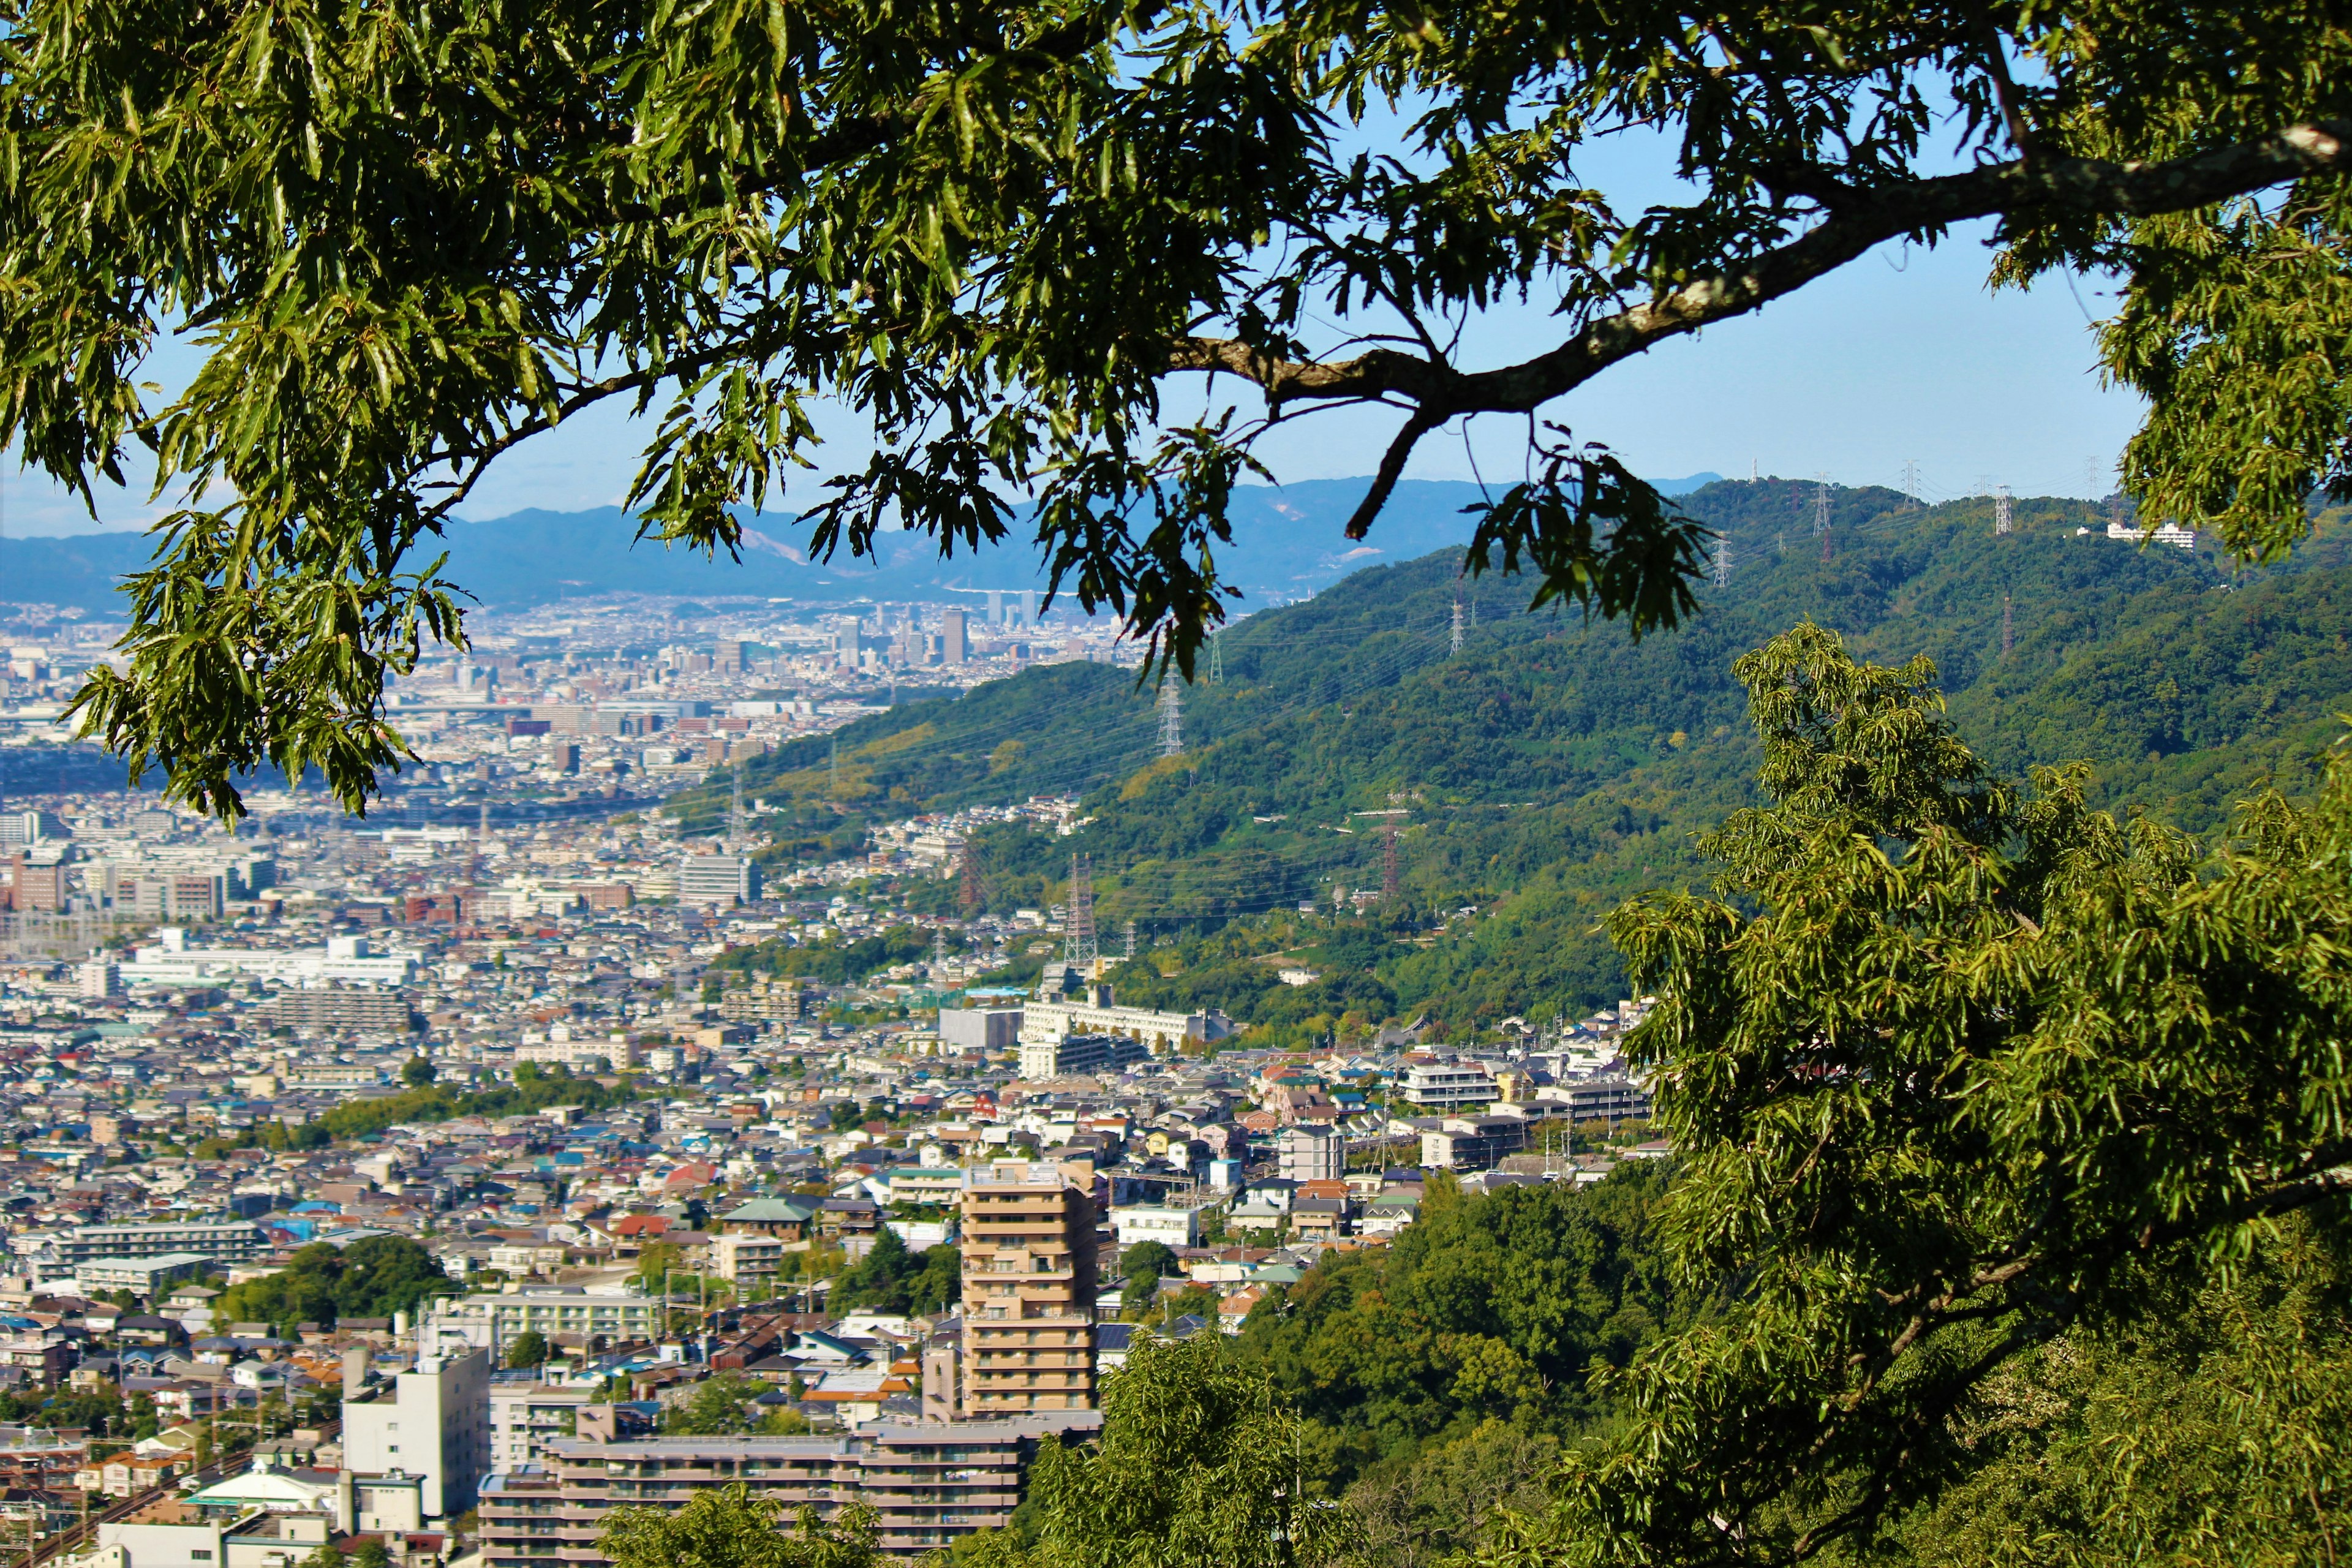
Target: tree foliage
1969, 1078
1011, 242
374, 1277
892, 1278
1199, 1461
731, 1527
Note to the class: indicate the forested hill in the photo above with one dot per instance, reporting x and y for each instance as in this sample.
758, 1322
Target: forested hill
1551, 767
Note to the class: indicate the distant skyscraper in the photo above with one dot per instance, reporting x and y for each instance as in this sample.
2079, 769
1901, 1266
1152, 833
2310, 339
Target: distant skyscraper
955, 646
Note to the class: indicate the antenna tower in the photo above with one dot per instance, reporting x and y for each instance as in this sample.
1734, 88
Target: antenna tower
968, 896
2008, 628
1457, 618
1217, 656
1079, 950
1171, 720
1391, 884
2002, 521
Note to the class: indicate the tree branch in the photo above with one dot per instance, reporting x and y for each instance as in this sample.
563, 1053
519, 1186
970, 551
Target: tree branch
1861, 218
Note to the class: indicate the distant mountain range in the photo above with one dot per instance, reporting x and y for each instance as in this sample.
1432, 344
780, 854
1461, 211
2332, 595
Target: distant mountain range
1287, 545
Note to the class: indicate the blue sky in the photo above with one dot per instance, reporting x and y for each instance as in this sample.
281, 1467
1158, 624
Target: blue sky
1906, 355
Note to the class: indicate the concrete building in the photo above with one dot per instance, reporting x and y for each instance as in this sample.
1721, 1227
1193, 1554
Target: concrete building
491, 1322
526, 1416
141, 1275
331, 1007
1472, 1142
1446, 1087
1172, 1228
718, 879
979, 1028
433, 1423
955, 643
1079, 1053
1028, 1291
929, 1482
169, 961
1311, 1153
1092, 1009
227, 1242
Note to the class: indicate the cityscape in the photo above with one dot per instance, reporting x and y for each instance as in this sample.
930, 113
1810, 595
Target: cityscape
642, 1208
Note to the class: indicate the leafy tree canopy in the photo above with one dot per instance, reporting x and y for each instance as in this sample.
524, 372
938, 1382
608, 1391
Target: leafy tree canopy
1014, 241
1980, 1092
372, 1278
727, 1527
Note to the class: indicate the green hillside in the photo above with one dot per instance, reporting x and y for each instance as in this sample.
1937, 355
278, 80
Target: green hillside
1552, 767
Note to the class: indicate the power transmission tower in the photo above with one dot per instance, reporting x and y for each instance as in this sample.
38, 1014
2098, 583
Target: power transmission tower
1822, 514
1079, 950
1457, 620
938, 950
1129, 934
2002, 521
2008, 628
1391, 884
1217, 656
1910, 484
1723, 563
1171, 720
735, 812
834, 792
968, 896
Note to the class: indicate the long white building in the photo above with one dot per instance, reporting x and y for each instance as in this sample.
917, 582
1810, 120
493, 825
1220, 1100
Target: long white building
1057, 1014
169, 961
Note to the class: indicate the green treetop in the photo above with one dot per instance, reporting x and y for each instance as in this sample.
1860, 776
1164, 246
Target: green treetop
1965, 1074
1084, 254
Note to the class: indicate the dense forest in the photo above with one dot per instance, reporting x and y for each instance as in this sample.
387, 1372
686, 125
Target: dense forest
1551, 767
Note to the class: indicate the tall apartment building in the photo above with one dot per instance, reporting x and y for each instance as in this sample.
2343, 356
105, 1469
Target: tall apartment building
330, 1006
1028, 1290
955, 645
432, 1422
930, 1482
1311, 1153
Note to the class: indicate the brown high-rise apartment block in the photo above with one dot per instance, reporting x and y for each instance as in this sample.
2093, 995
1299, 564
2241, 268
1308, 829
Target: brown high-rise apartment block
1028, 1290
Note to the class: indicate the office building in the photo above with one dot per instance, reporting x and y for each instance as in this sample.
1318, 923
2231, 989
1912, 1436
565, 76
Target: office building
1028, 1290
718, 879
955, 643
433, 1423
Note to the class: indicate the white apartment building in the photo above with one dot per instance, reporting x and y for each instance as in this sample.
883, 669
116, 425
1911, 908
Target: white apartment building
1442, 1087
169, 961
1172, 1228
433, 1423
1311, 1154
491, 1322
